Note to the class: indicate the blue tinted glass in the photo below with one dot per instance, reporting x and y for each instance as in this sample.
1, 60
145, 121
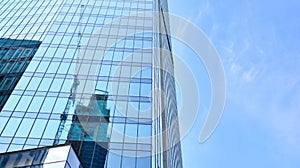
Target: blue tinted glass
144, 130
144, 162
128, 161
12, 102
34, 83
48, 104
146, 89
51, 129
3, 147
114, 159
45, 84
36, 104
38, 128
11, 127
14, 147
23, 103
23, 82
56, 85
25, 127
3, 121
131, 130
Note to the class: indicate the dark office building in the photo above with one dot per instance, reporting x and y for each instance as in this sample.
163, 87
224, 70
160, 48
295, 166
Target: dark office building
15, 55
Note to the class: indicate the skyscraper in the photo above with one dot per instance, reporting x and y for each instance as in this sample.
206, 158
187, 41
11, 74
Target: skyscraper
98, 79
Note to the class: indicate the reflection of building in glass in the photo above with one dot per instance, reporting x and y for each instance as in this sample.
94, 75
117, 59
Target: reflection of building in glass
88, 46
88, 132
58, 156
15, 56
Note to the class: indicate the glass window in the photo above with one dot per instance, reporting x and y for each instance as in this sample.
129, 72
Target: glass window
147, 44
11, 102
144, 162
9, 53
26, 53
144, 130
145, 110
129, 161
25, 127
51, 129
43, 66
53, 67
117, 132
121, 108
34, 83
147, 57
105, 70
7, 67
3, 147
11, 126
118, 56
101, 85
63, 68
17, 67
13, 147
38, 128
137, 57
45, 84
2, 65
3, 52
60, 105
36, 103
48, 104
19, 140
134, 89
7, 83
146, 73
146, 90
67, 85
32, 66
66, 39
114, 159
17, 53
125, 71
131, 130
56, 85
23, 103
3, 121
46, 142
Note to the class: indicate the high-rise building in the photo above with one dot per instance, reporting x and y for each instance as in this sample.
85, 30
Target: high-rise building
91, 73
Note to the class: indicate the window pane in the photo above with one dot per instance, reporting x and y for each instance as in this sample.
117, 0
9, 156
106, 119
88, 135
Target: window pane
38, 128
25, 127
11, 127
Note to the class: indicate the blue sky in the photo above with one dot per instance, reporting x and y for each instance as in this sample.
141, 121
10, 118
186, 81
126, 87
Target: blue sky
258, 42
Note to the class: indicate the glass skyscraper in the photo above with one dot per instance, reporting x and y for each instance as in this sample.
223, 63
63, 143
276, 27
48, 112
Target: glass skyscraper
91, 73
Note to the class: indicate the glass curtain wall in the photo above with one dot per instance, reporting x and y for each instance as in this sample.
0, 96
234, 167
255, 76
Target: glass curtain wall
89, 82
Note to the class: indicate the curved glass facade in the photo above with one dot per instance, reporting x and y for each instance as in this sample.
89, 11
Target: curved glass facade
90, 81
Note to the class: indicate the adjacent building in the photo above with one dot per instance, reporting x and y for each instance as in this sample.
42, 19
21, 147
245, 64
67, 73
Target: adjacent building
15, 55
90, 73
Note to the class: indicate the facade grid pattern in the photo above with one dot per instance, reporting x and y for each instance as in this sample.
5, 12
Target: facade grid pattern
75, 57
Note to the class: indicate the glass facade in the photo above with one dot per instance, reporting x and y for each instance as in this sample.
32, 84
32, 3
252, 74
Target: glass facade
90, 81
